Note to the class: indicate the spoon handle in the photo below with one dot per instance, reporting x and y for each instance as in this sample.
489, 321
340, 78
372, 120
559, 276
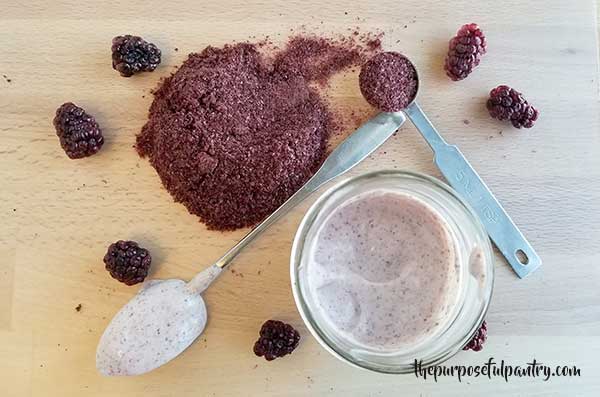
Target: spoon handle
465, 180
361, 143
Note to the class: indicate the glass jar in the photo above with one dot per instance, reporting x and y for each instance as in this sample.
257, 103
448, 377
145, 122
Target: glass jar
475, 272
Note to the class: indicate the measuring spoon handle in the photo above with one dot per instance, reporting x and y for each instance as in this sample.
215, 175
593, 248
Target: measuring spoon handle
464, 179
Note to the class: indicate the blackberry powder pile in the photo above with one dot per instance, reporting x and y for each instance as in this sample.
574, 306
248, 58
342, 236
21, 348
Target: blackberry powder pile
234, 132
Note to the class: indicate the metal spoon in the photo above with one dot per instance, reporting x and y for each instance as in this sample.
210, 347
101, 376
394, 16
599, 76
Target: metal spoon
166, 316
464, 179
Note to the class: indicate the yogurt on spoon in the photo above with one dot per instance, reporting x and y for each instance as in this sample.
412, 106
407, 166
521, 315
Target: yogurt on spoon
160, 322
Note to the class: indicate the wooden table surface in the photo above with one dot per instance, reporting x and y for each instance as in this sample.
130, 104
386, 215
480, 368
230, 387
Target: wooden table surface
58, 215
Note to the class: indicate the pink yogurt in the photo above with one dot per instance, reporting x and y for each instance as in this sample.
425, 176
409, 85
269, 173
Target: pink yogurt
384, 270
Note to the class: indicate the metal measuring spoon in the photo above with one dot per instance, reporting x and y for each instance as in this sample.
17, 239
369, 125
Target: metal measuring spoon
452, 163
166, 316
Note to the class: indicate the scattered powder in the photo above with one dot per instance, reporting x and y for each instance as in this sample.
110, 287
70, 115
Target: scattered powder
374, 44
389, 82
234, 132
317, 58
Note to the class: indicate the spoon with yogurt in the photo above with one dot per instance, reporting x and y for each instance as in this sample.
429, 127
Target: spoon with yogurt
166, 316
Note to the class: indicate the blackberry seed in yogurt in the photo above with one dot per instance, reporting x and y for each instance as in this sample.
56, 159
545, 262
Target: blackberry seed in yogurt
383, 271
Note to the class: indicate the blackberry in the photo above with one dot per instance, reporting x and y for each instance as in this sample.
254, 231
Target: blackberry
465, 51
127, 262
276, 340
132, 54
506, 103
79, 133
476, 343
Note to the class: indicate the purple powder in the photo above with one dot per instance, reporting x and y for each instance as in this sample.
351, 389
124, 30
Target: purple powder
389, 81
234, 133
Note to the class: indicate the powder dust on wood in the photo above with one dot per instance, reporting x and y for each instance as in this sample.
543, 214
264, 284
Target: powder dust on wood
235, 132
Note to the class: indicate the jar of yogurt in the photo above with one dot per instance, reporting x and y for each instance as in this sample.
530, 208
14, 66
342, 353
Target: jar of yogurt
391, 267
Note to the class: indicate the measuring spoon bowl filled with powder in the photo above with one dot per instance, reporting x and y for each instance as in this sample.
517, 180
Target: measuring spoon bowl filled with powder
391, 267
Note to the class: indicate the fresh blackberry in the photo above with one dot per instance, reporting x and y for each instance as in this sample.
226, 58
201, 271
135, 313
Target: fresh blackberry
506, 103
79, 133
276, 340
476, 343
127, 262
465, 51
132, 54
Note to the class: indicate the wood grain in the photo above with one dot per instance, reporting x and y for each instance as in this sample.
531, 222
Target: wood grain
58, 215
